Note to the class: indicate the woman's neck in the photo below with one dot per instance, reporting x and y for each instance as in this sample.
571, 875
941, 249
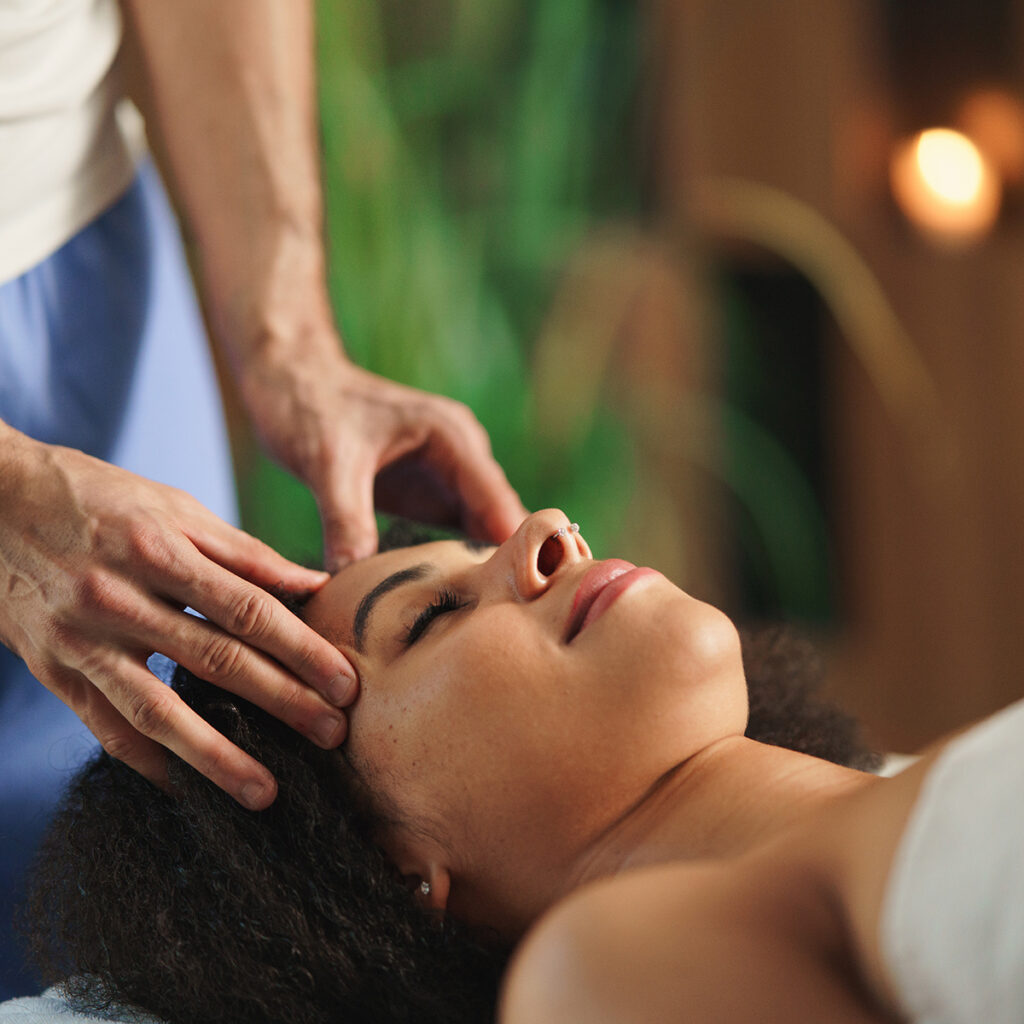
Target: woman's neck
729, 798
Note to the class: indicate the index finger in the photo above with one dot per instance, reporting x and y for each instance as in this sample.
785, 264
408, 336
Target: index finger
261, 621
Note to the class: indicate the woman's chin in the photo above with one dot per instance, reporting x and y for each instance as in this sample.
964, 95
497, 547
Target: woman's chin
685, 640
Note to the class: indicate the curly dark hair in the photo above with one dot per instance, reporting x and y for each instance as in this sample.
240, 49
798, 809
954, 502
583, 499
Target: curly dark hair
788, 708
197, 910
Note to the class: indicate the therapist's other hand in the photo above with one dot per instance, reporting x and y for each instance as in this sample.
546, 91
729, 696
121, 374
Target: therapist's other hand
360, 441
96, 567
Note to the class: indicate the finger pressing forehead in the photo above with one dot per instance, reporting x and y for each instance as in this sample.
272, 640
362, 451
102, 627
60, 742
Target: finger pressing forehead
331, 610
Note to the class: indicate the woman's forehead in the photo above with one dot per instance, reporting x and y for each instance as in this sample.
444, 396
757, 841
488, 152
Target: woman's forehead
368, 573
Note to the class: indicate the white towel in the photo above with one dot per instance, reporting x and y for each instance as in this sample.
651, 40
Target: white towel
51, 1008
952, 925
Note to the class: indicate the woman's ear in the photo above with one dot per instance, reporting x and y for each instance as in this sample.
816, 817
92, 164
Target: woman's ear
424, 868
432, 884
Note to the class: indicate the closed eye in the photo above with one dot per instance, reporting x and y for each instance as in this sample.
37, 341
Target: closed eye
445, 600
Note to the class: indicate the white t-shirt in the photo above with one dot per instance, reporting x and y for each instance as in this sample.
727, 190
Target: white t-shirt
64, 154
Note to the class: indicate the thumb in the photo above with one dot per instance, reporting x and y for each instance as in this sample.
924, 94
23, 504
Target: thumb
346, 511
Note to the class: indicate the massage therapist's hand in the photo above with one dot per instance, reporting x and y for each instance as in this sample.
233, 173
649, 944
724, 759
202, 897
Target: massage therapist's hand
239, 134
360, 441
96, 567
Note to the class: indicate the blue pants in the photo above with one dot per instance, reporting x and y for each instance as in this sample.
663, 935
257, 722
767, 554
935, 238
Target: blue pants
101, 349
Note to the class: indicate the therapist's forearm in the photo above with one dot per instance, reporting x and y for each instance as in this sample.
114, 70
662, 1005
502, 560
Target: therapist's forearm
228, 90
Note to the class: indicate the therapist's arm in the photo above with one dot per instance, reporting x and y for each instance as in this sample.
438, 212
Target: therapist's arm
227, 88
96, 567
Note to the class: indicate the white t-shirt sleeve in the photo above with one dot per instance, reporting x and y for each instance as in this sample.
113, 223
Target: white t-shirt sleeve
65, 153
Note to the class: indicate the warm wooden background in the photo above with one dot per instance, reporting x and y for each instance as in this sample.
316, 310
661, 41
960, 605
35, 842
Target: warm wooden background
795, 95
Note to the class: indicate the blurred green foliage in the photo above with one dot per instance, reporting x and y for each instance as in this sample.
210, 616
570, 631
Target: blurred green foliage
468, 148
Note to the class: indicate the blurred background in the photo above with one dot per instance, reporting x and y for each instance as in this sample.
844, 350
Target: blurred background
739, 284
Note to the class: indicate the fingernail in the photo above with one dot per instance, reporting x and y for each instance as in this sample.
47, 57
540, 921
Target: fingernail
341, 690
254, 795
325, 729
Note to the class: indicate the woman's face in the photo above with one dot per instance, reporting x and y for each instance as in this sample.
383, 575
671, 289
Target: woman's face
515, 700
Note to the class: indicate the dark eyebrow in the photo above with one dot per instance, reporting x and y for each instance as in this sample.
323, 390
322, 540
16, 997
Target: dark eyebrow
366, 605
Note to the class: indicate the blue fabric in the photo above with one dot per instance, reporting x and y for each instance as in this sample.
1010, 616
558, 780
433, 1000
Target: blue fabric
101, 348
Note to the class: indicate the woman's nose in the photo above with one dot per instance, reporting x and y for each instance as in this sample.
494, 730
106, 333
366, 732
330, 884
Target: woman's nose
545, 543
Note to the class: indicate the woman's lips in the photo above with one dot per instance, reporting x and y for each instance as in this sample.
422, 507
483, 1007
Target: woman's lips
599, 588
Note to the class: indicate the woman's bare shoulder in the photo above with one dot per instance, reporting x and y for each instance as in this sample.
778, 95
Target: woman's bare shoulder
591, 956
674, 942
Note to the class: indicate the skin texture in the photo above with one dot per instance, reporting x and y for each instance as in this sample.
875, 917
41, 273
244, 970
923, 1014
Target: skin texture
601, 791
228, 93
788, 930
491, 729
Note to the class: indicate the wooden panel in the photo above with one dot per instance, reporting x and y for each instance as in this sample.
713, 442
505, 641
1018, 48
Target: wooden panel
791, 94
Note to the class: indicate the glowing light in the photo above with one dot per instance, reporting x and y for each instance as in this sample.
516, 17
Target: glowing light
951, 165
945, 185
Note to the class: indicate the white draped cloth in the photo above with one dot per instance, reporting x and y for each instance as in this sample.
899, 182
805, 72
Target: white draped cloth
952, 925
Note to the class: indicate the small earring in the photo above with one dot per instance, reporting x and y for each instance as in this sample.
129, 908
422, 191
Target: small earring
425, 888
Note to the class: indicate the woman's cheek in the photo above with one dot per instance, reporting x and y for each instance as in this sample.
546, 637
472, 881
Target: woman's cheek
417, 720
